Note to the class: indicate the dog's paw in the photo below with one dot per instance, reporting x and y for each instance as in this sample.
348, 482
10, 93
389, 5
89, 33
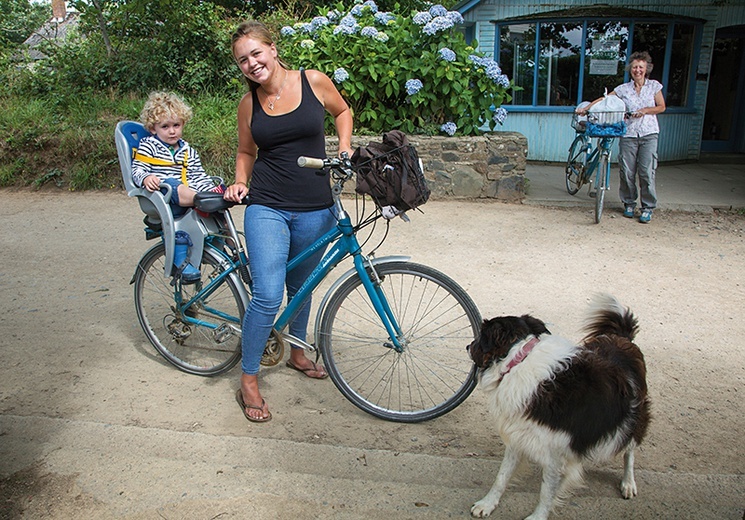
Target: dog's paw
482, 508
628, 488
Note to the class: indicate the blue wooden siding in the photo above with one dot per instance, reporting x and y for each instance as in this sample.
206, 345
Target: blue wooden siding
548, 133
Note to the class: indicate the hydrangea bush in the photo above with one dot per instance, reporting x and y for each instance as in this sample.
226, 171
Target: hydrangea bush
415, 73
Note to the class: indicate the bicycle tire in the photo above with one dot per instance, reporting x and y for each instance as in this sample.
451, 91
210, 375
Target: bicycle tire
192, 348
434, 373
602, 178
576, 165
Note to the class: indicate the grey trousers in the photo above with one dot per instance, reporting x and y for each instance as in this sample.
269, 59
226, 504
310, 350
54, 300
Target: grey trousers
638, 157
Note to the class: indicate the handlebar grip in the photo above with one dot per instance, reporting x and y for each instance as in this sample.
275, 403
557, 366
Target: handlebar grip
310, 162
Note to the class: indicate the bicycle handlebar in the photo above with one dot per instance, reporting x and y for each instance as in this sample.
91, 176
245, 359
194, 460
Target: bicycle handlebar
311, 162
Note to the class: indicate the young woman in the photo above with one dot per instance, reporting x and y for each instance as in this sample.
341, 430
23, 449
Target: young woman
280, 119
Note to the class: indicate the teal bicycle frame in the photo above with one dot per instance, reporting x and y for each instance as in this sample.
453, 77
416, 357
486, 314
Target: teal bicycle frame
344, 241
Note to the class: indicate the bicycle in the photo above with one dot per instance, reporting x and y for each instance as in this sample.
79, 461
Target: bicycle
392, 333
586, 163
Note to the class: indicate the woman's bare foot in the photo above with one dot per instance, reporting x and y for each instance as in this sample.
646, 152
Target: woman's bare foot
254, 407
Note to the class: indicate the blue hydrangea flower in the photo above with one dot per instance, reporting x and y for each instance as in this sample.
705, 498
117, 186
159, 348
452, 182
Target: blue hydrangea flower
441, 23
369, 31
341, 75
305, 27
287, 31
447, 54
500, 115
307, 44
384, 18
347, 25
492, 69
449, 128
372, 5
356, 10
455, 17
475, 58
333, 15
381, 36
503, 81
348, 20
413, 86
318, 22
437, 10
422, 18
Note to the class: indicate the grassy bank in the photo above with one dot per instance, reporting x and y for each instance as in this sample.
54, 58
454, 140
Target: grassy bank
69, 141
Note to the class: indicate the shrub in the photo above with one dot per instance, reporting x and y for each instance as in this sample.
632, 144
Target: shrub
415, 73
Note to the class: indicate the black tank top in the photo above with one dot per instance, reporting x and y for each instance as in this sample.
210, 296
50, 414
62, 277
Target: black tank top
277, 181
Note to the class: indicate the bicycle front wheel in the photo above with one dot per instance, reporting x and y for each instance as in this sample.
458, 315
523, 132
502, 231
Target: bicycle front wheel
202, 339
602, 184
432, 375
576, 164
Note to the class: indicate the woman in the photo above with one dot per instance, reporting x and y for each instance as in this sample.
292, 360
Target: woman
638, 147
280, 119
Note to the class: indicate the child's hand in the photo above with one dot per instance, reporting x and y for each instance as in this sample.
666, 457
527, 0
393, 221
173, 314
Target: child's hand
151, 183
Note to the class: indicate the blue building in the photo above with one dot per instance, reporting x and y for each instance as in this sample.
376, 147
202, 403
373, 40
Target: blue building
563, 53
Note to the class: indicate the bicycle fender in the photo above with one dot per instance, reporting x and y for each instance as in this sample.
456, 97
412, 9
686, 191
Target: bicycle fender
347, 275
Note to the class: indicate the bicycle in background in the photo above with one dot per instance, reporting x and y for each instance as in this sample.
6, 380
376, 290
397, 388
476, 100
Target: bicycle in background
591, 165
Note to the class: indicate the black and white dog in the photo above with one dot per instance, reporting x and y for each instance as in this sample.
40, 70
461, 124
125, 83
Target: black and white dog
558, 403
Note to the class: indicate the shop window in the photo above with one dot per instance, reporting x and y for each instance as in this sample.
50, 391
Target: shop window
545, 59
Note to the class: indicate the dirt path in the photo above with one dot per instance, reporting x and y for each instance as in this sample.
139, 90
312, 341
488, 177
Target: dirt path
92, 422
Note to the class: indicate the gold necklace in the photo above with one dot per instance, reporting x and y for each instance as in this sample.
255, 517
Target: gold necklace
270, 104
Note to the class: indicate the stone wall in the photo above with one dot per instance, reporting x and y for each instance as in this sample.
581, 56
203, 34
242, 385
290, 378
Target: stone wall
488, 166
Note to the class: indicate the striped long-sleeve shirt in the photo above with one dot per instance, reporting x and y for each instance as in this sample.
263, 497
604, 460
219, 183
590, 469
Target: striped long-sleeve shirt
153, 147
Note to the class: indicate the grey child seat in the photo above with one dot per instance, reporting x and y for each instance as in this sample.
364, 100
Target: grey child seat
154, 204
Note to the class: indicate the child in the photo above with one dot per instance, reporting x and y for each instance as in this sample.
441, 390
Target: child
165, 158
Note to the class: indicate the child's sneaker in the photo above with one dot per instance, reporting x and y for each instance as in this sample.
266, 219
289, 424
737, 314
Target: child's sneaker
628, 212
645, 217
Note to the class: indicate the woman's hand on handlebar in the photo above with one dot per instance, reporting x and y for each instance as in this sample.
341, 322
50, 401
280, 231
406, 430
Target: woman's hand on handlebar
236, 192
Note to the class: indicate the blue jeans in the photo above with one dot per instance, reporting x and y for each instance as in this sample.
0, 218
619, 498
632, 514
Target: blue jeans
272, 238
638, 157
176, 209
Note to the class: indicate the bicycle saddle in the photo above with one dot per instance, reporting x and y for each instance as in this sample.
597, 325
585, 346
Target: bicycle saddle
209, 202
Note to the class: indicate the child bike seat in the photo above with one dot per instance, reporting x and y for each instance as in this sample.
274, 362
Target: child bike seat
154, 204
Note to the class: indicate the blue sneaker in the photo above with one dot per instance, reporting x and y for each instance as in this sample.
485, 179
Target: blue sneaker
646, 216
628, 212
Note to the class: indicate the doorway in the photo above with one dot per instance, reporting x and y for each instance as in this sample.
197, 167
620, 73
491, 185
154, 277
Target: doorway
724, 100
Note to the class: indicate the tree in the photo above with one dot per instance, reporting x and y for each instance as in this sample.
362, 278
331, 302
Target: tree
19, 19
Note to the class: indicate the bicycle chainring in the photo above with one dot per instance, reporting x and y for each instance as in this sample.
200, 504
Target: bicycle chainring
274, 350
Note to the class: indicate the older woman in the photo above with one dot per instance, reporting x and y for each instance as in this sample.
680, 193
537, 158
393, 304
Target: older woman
638, 147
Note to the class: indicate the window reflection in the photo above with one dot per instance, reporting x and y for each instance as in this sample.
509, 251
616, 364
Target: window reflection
517, 59
605, 57
558, 79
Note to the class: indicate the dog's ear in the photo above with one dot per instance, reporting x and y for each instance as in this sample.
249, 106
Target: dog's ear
536, 326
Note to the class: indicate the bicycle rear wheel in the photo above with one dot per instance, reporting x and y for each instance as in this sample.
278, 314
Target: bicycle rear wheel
576, 164
432, 375
602, 179
207, 348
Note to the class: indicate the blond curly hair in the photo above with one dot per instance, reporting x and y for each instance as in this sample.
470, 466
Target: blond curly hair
162, 106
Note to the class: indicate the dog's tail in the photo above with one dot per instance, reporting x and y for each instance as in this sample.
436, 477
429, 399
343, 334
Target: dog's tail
607, 316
